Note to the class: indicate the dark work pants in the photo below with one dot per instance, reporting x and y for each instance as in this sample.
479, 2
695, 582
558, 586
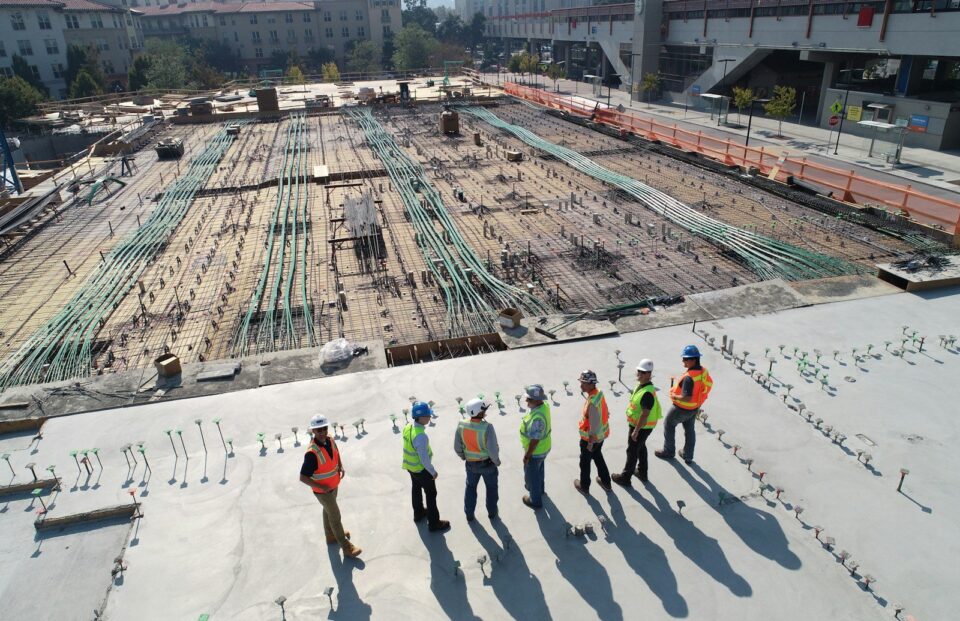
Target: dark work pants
637, 454
595, 456
422, 483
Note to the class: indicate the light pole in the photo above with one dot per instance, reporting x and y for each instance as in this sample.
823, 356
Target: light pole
610, 85
843, 112
725, 61
750, 120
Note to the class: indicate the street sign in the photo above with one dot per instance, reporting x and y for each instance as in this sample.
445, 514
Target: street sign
695, 90
834, 120
836, 107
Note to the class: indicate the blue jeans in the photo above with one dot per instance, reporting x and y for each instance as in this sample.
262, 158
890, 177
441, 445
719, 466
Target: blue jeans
534, 476
687, 418
489, 473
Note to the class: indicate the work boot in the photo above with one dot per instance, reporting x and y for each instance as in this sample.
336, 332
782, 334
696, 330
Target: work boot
621, 479
686, 460
418, 517
606, 486
663, 455
471, 518
581, 488
440, 526
331, 539
529, 503
351, 551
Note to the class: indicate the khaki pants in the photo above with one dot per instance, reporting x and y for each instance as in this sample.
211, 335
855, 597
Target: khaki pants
332, 526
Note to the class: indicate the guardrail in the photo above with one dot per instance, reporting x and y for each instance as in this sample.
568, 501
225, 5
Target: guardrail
846, 184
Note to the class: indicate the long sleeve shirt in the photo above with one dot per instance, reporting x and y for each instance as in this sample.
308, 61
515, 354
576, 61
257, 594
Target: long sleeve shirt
490, 438
593, 416
420, 444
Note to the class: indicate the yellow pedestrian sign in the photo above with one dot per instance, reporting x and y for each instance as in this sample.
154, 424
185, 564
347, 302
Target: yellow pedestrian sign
836, 107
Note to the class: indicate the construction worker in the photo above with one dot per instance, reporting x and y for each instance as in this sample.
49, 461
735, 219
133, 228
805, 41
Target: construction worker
322, 470
642, 416
417, 456
535, 439
476, 443
688, 395
594, 429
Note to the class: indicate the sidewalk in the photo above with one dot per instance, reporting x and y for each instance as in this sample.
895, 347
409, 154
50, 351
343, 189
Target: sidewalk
934, 172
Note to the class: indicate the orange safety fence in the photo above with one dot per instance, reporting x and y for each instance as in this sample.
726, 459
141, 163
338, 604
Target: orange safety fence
846, 185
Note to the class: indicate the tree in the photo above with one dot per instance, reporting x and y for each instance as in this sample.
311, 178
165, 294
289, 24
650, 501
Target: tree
420, 15
84, 85
364, 57
742, 98
781, 105
515, 64
649, 84
389, 49
87, 58
22, 70
414, 46
330, 72
318, 57
168, 67
17, 99
137, 76
476, 30
555, 72
451, 29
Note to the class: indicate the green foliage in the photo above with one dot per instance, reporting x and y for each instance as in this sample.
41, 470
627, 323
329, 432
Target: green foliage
168, 66
555, 72
84, 85
420, 16
781, 105
475, 31
17, 99
330, 72
295, 75
22, 70
515, 63
451, 30
389, 49
84, 58
284, 59
318, 57
364, 57
650, 83
414, 46
137, 76
742, 98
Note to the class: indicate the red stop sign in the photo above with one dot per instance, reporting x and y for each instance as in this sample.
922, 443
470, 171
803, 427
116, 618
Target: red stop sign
834, 120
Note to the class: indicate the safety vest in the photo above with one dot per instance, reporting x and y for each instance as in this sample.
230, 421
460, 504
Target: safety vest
634, 411
596, 398
702, 384
541, 412
411, 459
473, 436
326, 477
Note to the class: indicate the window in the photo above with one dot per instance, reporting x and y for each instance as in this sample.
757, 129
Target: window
7, 72
17, 21
102, 45
385, 15
3, 50
343, 15
236, 36
256, 36
306, 18
223, 20
386, 30
288, 18
307, 34
291, 35
205, 21
258, 52
52, 47
120, 43
26, 49
57, 70
359, 15
271, 19
345, 32
44, 20
108, 67
35, 71
115, 24
273, 36
361, 32
73, 21
96, 21
327, 17
328, 33
253, 19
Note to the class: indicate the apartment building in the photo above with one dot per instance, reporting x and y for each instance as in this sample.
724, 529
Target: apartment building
255, 30
40, 31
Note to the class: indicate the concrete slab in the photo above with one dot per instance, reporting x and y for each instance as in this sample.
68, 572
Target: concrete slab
728, 555
842, 288
919, 275
686, 312
759, 298
301, 364
527, 336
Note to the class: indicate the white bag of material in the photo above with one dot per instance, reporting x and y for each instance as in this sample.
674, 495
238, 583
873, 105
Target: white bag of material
336, 350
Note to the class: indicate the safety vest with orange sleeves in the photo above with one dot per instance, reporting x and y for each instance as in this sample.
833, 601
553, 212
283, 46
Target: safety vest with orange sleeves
595, 399
473, 435
326, 477
702, 384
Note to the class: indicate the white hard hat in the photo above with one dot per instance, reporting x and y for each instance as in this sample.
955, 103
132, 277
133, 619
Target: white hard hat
319, 422
646, 365
476, 407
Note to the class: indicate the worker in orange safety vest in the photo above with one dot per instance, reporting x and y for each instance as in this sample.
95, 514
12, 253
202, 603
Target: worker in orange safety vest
688, 395
594, 429
476, 444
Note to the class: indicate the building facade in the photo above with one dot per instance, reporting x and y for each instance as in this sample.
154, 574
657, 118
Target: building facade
40, 31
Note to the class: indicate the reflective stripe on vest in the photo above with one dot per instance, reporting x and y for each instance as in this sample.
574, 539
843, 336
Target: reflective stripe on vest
702, 384
326, 477
601, 404
411, 459
543, 413
473, 436
634, 411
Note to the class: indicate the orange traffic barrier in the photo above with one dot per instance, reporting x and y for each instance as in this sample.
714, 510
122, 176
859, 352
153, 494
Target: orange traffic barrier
846, 185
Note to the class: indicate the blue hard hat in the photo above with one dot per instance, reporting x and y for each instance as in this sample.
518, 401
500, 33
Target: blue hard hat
691, 351
419, 408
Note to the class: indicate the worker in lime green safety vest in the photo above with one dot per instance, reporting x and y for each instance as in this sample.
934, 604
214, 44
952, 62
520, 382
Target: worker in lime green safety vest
642, 416
417, 460
535, 439
594, 429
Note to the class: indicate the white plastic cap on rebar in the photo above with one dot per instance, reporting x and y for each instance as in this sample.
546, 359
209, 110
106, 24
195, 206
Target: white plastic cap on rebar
319, 422
475, 407
646, 365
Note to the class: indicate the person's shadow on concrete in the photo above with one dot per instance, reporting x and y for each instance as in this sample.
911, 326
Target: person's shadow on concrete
647, 559
693, 543
577, 565
508, 574
756, 528
349, 605
447, 583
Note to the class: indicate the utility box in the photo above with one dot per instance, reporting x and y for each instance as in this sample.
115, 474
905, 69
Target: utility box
168, 365
514, 156
510, 317
449, 122
267, 100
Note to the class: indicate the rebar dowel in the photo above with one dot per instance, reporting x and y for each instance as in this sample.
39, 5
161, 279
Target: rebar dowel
198, 422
